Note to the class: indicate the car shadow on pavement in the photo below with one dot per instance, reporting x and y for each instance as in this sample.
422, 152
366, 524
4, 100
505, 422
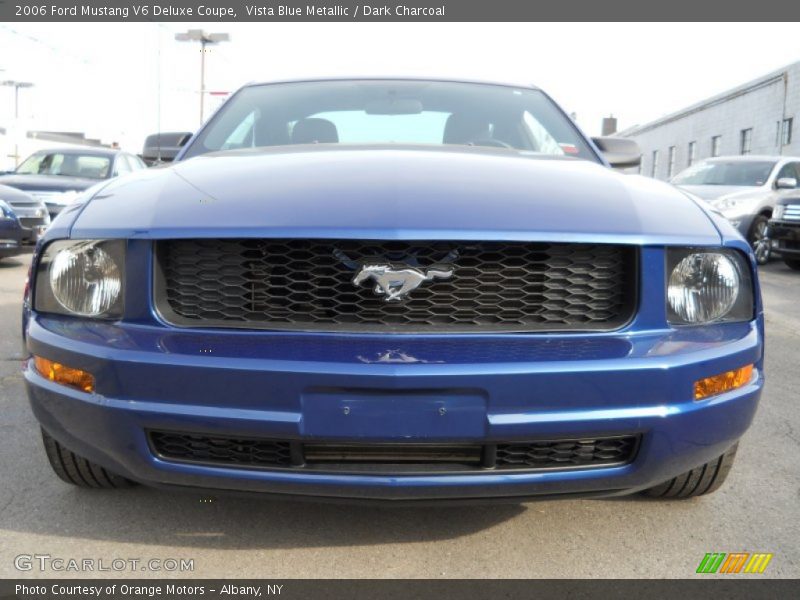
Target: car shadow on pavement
154, 517
10, 263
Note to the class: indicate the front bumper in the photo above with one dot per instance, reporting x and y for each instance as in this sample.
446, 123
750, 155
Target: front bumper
11, 234
294, 387
787, 237
33, 228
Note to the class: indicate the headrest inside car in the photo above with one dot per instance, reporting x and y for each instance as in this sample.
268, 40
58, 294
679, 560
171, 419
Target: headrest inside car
314, 131
462, 128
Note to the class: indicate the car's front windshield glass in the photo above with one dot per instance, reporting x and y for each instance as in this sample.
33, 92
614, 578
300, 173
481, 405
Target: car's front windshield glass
89, 166
392, 112
739, 173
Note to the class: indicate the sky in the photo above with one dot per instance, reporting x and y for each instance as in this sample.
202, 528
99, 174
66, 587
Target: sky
122, 81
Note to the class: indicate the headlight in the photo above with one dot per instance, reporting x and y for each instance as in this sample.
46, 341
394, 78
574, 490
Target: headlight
706, 286
81, 277
735, 207
724, 203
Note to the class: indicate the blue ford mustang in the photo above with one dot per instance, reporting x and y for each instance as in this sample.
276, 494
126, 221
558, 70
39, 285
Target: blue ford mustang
394, 290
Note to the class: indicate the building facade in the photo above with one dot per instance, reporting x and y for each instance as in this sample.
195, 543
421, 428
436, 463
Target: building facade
759, 117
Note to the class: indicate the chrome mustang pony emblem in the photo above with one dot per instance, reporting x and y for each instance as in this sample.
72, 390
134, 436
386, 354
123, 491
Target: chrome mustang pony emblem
395, 284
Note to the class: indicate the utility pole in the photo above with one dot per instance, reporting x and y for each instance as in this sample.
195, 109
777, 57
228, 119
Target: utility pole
16, 85
205, 39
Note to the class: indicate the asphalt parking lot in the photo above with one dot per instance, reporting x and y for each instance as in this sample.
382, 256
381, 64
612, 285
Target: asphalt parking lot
757, 510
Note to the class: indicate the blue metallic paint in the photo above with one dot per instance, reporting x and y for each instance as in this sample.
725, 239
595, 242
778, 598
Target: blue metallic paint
394, 193
12, 232
511, 386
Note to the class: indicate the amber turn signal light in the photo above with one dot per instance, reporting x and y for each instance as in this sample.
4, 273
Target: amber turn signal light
64, 375
724, 382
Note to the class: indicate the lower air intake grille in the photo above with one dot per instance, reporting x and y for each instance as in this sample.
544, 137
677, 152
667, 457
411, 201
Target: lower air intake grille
229, 451
573, 453
336, 456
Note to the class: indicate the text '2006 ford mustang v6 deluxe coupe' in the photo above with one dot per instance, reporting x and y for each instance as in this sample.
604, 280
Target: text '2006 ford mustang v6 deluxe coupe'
394, 289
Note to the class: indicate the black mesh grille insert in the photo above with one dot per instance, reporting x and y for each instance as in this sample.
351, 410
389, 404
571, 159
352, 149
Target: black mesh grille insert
334, 456
308, 284
231, 451
569, 453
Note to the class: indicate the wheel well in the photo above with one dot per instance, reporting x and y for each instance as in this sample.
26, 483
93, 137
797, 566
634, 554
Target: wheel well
767, 212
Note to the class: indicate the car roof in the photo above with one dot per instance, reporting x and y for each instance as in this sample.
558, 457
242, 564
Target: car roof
516, 84
90, 151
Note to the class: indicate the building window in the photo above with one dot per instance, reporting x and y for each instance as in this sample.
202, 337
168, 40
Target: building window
745, 141
691, 155
671, 162
786, 132
716, 145
654, 166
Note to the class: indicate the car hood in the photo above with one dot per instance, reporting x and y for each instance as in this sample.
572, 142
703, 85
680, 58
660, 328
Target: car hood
47, 183
393, 193
712, 192
12, 194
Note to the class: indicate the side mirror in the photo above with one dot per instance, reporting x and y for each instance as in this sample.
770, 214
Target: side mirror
621, 153
164, 147
786, 183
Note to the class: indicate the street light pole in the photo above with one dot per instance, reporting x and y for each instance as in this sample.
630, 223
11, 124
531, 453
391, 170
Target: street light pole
205, 39
16, 85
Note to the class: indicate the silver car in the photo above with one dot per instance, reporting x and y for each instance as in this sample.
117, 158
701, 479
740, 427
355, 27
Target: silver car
745, 190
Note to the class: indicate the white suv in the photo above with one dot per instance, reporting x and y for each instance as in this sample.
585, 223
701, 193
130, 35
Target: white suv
745, 190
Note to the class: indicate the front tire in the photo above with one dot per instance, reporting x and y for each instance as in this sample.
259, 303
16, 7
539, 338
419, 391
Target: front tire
697, 482
759, 240
78, 471
792, 263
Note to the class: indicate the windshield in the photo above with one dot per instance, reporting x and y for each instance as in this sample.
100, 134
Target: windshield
391, 112
739, 173
90, 166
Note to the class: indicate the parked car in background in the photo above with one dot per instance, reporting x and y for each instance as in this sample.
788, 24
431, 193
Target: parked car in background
745, 189
394, 290
10, 232
784, 230
58, 176
30, 212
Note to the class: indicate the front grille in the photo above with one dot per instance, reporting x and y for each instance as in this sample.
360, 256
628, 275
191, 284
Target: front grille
791, 212
331, 453
30, 222
308, 285
335, 456
571, 453
231, 451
